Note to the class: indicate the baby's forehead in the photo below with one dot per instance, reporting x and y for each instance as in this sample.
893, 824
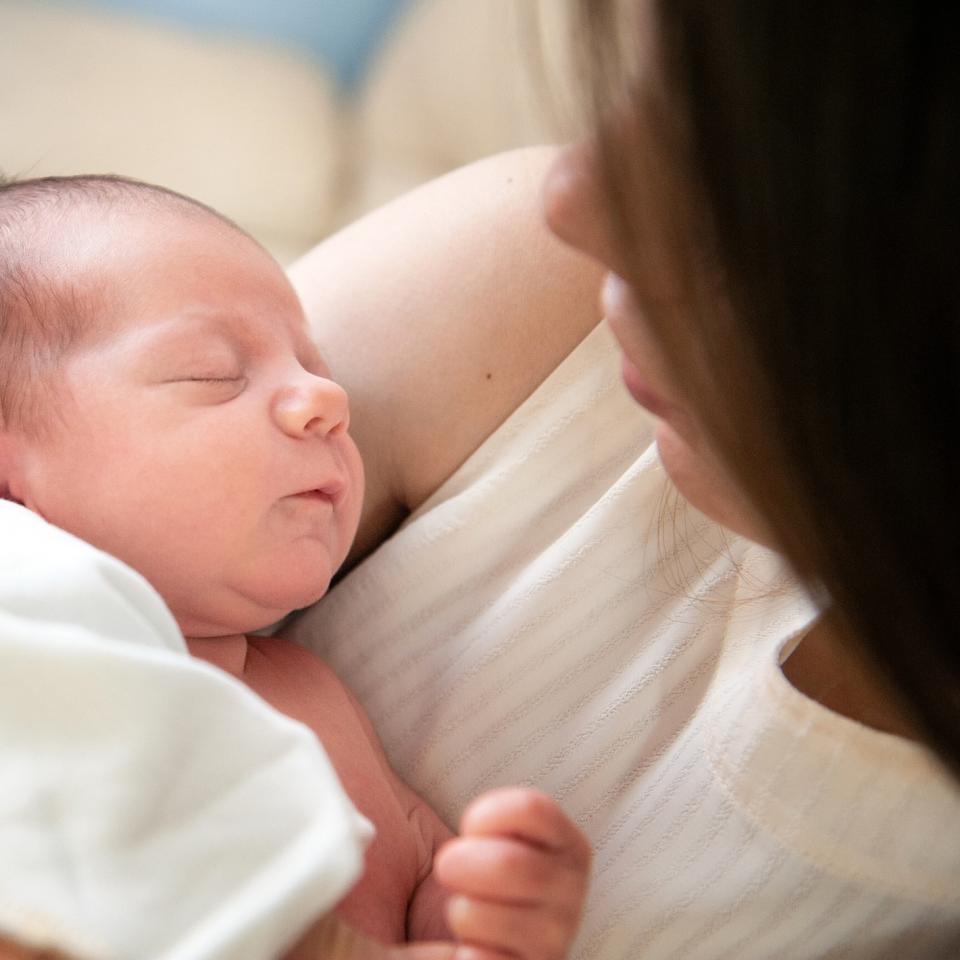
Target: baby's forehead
161, 268
89, 248
182, 268
55, 227
207, 324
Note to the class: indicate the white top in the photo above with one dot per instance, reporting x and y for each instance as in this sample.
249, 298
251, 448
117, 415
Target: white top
150, 806
552, 617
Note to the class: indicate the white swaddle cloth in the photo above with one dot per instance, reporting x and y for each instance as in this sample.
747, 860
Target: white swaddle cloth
548, 618
150, 806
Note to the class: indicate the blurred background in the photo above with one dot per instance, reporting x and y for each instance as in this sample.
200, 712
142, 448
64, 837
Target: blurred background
290, 116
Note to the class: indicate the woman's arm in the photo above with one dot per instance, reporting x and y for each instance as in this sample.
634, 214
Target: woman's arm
440, 313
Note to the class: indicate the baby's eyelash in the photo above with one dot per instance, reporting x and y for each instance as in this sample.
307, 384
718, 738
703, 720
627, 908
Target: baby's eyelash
211, 379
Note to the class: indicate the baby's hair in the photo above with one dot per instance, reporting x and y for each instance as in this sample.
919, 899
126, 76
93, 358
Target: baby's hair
45, 312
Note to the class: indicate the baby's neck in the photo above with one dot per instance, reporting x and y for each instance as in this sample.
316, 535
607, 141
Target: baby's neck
229, 653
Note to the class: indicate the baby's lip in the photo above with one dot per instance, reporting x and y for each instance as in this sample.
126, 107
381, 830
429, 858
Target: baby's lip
331, 490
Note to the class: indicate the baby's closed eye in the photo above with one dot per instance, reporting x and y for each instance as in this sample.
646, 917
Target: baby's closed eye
209, 379
209, 387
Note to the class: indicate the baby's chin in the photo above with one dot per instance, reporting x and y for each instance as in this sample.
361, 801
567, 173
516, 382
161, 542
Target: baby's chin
246, 612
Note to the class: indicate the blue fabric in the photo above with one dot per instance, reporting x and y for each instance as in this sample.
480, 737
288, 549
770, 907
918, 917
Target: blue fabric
344, 34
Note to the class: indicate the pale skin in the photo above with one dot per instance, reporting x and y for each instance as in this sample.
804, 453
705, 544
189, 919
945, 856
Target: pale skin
205, 366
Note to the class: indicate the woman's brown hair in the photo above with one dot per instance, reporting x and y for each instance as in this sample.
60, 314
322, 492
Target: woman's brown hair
808, 157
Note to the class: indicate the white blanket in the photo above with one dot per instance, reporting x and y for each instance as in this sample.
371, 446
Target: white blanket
150, 806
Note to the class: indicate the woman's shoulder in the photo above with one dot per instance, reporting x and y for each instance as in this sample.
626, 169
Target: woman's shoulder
440, 313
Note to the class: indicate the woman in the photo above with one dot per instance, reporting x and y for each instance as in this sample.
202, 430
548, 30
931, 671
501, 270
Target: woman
784, 203
772, 192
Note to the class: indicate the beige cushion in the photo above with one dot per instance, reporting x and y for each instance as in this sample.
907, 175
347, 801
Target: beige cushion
249, 128
459, 80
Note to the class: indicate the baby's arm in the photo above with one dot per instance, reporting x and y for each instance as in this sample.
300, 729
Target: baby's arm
518, 873
512, 884
427, 911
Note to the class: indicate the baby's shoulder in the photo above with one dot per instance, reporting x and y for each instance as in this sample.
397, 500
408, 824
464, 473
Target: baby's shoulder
294, 679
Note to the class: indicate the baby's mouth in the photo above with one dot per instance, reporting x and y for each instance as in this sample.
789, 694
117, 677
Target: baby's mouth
314, 495
331, 491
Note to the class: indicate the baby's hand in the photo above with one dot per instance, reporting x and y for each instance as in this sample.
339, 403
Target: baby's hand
518, 873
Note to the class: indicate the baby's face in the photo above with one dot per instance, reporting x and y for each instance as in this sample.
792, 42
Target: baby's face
204, 443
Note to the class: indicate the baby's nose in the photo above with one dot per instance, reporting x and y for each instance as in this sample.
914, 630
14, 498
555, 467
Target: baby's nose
316, 406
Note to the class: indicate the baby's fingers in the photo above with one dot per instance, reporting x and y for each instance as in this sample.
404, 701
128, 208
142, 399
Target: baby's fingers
530, 816
510, 872
519, 874
493, 930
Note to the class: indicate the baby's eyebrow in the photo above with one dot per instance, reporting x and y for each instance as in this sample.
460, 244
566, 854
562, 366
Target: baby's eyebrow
237, 332
231, 331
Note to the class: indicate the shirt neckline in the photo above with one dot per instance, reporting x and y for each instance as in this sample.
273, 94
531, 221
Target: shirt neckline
860, 803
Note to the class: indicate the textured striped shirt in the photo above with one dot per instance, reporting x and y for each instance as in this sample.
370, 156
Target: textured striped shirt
552, 617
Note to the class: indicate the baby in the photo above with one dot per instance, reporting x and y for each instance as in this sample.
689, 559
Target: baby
161, 398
